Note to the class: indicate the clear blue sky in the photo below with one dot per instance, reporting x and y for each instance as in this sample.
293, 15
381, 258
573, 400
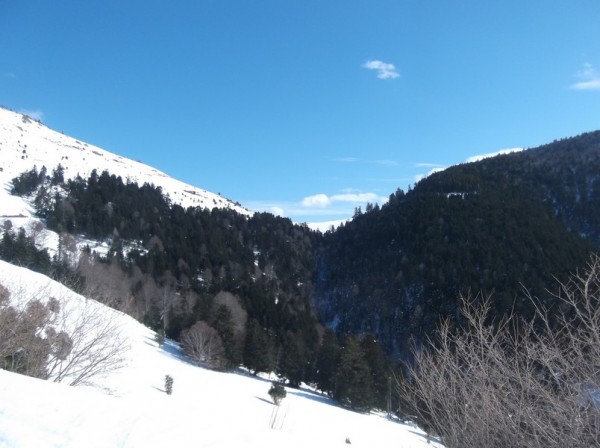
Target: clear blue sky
304, 106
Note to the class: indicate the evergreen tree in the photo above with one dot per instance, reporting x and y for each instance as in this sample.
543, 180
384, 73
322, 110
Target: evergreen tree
292, 363
277, 392
327, 362
379, 367
353, 379
223, 324
257, 350
168, 384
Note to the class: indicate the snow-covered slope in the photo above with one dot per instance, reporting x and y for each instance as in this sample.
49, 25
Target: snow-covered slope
129, 408
25, 142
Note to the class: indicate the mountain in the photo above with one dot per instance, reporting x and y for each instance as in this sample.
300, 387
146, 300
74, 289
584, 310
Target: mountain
273, 291
129, 408
25, 142
520, 220
156, 251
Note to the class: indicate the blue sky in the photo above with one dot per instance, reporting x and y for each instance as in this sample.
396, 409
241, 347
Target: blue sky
306, 107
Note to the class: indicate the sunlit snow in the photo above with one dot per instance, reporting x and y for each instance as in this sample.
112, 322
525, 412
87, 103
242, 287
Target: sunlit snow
129, 408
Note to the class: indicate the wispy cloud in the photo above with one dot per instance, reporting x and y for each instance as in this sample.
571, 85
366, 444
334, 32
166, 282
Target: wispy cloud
589, 78
385, 70
319, 207
322, 200
317, 200
10, 75
436, 167
35, 114
479, 157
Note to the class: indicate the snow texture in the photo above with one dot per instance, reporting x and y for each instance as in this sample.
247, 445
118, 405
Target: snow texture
129, 408
25, 142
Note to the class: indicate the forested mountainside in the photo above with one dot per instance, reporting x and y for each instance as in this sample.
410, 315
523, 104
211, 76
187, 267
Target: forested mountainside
245, 282
267, 288
493, 227
166, 264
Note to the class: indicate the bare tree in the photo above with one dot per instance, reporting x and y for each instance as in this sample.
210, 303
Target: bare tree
23, 347
89, 344
239, 316
73, 340
514, 383
203, 345
108, 283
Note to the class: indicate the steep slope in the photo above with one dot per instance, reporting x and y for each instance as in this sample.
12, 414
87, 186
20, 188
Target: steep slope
25, 142
151, 256
129, 408
564, 175
493, 226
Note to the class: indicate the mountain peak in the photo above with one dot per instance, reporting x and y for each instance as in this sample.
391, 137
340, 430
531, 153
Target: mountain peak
26, 142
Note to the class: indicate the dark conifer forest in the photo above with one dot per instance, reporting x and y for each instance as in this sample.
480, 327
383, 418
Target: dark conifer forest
337, 309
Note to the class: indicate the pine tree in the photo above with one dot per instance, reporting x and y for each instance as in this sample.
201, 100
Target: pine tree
168, 384
353, 381
257, 350
223, 324
380, 369
277, 392
327, 362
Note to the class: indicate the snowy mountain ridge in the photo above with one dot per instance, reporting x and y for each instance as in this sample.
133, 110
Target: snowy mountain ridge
25, 143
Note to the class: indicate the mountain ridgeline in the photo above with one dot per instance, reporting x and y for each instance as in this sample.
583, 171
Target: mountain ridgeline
268, 286
495, 226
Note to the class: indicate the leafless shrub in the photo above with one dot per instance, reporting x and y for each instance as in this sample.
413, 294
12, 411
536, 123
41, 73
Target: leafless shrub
512, 383
23, 348
89, 345
239, 316
73, 341
203, 345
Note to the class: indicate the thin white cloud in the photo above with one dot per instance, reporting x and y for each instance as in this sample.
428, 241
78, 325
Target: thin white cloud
322, 200
479, 157
589, 78
10, 75
276, 210
320, 207
385, 70
318, 200
355, 197
35, 114
428, 165
436, 167
299, 212
419, 177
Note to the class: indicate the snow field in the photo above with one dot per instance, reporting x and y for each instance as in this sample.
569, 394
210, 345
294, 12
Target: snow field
129, 408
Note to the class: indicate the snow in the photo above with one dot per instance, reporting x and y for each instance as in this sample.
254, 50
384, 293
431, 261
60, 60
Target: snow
25, 142
480, 157
325, 226
129, 408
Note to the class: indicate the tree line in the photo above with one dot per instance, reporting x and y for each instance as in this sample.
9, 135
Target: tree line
234, 290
